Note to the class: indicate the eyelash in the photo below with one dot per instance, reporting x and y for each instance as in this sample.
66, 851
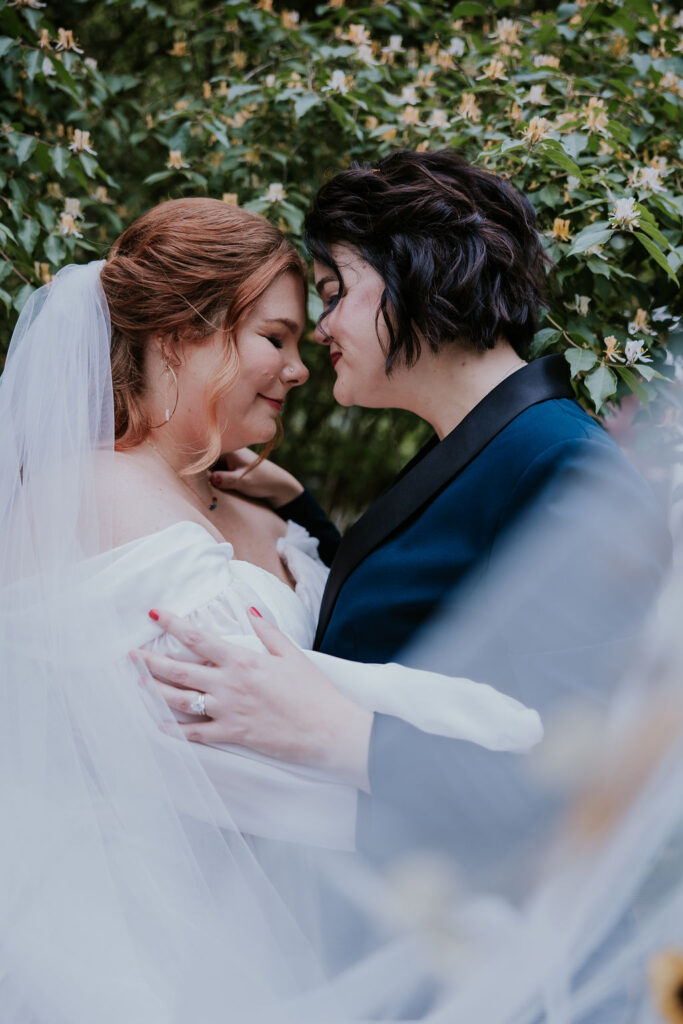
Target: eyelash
274, 341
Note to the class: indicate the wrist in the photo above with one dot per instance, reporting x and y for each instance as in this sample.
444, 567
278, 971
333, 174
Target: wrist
346, 751
285, 491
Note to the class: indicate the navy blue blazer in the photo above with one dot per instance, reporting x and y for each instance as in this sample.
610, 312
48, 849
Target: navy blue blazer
429, 544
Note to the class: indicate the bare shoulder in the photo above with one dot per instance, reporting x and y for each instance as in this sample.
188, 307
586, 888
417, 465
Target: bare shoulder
137, 497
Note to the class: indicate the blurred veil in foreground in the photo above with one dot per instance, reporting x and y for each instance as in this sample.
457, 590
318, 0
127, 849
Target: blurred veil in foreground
540, 890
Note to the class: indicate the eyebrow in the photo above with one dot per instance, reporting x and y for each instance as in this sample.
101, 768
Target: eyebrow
320, 284
291, 325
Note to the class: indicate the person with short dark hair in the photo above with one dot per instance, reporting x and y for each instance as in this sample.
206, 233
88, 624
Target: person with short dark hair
432, 274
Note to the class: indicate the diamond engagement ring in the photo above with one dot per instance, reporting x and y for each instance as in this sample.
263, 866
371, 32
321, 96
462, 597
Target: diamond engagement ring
198, 705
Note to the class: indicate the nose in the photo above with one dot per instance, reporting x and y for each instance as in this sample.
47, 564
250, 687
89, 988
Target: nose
321, 334
295, 372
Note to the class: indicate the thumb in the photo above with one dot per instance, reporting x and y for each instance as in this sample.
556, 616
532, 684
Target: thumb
270, 636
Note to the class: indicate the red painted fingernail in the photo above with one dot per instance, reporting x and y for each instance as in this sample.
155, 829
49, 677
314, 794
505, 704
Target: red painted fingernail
154, 614
256, 612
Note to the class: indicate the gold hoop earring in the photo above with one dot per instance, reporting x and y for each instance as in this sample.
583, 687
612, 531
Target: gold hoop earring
169, 413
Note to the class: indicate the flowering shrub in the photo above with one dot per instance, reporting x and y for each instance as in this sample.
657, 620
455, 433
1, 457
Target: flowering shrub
580, 105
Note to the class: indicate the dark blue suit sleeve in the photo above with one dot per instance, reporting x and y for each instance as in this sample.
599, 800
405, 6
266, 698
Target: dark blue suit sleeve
306, 511
558, 615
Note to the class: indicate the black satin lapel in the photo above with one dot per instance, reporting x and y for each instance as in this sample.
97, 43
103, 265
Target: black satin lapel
437, 464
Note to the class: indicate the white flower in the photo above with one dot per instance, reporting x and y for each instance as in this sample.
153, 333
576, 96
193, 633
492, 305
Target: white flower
67, 225
650, 178
275, 193
175, 160
581, 304
395, 45
678, 21
81, 143
91, 63
634, 351
337, 83
660, 313
47, 67
573, 183
537, 95
409, 95
364, 53
73, 208
456, 47
438, 119
624, 214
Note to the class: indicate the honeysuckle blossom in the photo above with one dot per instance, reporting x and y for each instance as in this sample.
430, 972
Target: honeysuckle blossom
468, 108
669, 82
44, 39
514, 112
409, 95
507, 31
618, 46
640, 323
73, 208
338, 83
230, 198
81, 143
678, 21
495, 70
91, 63
611, 351
269, 81
207, 92
635, 352
595, 115
47, 68
265, 5
456, 47
581, 304
102, 196
179, 49
624, 215
289, 19
438, 118
67, 225
536, 129
573, 182
175, 160
411, 115
395, 45
66, 41
43, 272
537, 96
648, 178
275, 193
33, 4
365, 54
358, 35
561, 230
545, 60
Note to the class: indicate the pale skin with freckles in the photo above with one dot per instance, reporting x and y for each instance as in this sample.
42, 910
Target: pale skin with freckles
441, 388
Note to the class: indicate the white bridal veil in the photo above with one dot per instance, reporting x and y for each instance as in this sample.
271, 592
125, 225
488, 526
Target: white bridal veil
125, 898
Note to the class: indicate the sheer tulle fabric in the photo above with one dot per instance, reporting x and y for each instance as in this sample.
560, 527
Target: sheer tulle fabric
128, 892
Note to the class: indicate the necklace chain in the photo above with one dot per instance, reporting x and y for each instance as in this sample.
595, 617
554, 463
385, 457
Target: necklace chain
213, 504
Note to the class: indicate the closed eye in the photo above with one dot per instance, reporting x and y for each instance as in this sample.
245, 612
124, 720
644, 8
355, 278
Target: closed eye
274, 341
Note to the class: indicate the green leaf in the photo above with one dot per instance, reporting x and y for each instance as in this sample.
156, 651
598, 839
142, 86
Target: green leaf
152, 179
60, 160
601, 384
22, 297
302, 104
468, 10
28, 235
32, 63
55, 249
574, 143
6, 45
23, 146
594, 234
656, 253
542, 340
651, 229
629, 378
580, 360
556, 154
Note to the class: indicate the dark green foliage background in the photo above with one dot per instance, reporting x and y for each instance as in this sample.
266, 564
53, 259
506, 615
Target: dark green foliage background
245, 94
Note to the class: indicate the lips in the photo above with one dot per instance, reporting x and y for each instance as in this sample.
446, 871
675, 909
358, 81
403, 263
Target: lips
276, 403
334, 358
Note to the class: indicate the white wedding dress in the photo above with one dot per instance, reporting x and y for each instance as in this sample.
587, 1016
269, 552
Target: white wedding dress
184, 569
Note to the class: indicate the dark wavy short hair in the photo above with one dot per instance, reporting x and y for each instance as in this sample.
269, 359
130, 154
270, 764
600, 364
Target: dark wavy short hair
456, 246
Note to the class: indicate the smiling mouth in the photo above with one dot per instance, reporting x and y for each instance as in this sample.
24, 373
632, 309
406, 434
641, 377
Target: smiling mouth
276, 403
334, 358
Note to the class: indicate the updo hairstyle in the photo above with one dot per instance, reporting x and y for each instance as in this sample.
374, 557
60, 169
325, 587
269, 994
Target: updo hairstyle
456, 246
186, 269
